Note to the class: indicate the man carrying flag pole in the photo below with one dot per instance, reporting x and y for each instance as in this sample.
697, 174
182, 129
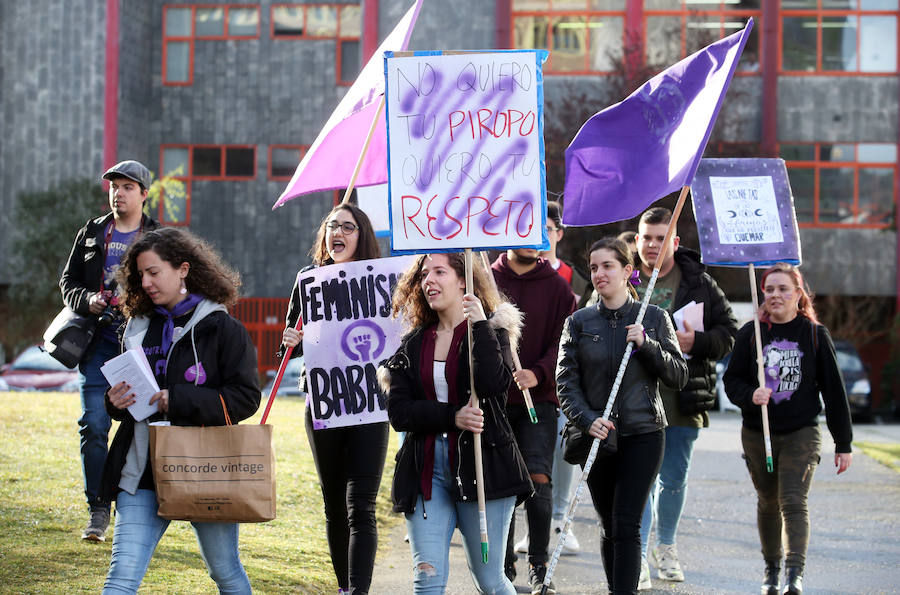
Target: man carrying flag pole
637, 151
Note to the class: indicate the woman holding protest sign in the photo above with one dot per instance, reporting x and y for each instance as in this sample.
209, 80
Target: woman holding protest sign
349, 459
591, 348
428, 388
799, 364
176, 295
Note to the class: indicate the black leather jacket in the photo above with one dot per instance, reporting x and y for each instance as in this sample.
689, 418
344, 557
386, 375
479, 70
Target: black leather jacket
590, 351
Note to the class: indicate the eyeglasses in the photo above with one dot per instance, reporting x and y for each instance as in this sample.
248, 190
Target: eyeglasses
346, 227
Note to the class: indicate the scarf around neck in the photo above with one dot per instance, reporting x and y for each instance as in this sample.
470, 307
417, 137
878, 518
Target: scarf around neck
180, 309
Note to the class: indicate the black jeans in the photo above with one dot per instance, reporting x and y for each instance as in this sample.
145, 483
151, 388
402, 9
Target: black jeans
350, 461
536, 443
620, 485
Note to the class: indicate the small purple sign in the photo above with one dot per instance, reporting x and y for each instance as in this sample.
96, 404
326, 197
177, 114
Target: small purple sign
745, 212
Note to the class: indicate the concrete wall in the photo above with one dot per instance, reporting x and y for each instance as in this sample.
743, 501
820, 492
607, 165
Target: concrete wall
250, 92
51, 96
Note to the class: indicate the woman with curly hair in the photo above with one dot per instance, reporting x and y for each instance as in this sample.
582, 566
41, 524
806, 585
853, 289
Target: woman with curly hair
176, 294
799, 364
428, 390
349, 459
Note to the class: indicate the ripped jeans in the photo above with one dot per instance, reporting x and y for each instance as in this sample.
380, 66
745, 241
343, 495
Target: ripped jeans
429, 536
666, 501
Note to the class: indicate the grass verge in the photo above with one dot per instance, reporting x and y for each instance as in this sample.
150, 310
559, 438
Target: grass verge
885, 453
42, 511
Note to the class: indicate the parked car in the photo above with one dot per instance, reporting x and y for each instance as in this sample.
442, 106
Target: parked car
856, 380
289, 382
34, 369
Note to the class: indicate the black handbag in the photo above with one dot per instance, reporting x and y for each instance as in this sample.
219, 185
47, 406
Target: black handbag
577, 444
69, 336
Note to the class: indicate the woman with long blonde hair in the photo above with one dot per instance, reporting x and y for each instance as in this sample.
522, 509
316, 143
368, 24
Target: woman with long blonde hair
428, 391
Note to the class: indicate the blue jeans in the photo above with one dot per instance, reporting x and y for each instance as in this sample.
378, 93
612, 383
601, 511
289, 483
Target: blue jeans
562, 474
429, 537
93, 425
667, 496
138, 531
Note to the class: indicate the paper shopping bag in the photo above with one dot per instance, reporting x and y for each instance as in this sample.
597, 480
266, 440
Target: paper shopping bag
220, 473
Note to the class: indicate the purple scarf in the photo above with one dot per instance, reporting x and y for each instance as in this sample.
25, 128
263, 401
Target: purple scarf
180, 309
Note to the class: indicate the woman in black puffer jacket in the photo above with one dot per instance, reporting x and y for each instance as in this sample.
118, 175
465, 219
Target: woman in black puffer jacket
591, 348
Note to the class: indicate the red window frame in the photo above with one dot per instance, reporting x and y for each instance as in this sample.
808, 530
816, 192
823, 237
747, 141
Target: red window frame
301, 148
684, 13
189, 176
193, 37
548, 67
338, 37
817, 166
820, 13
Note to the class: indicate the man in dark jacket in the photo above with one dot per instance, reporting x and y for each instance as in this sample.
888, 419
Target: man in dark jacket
546, 299
88, 287
682, 280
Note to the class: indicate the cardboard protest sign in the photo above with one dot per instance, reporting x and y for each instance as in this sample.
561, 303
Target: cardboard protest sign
347, 332
465, 150
745, 212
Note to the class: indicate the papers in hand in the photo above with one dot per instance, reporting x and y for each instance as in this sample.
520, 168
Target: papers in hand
692, 313
133, 369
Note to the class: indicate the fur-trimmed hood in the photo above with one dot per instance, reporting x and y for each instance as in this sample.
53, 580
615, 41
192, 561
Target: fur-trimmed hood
506, 317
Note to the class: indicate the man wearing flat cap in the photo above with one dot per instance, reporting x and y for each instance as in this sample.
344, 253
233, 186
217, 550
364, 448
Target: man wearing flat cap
88, 287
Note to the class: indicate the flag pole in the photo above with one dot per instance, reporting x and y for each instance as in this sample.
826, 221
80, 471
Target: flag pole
362, 154
284, 362
473, 402
760, 371
532, 413
629, 347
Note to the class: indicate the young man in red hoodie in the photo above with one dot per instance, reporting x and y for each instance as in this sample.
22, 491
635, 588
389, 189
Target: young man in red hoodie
546, 299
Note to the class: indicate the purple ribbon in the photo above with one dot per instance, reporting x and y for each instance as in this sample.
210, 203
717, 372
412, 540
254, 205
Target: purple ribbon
180, 309
635, 278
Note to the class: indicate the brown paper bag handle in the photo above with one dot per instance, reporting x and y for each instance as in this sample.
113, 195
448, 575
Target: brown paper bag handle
225, 409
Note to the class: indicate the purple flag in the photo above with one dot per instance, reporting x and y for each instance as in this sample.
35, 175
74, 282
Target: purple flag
329, 162
650, 144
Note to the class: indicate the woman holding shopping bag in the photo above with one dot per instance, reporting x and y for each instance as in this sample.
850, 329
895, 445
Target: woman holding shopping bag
176, 294
591, 349
799, 364
349, 459
428, 390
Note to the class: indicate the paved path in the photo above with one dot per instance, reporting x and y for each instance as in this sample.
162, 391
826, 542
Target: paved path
854, 546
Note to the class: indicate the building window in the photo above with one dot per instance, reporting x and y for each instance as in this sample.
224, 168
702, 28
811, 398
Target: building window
842, 184
584, 36
183, 25
340, 22
675, 29
283, 160
201, 162
832, 36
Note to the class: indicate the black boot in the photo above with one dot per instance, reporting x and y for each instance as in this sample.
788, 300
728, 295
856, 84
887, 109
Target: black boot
770, 581
793, 580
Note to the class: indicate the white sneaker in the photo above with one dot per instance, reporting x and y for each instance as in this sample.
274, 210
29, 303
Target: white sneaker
668, 567
644, 583
571, 546
522, 545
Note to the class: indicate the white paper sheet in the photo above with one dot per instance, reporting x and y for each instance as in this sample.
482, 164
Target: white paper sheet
133, 368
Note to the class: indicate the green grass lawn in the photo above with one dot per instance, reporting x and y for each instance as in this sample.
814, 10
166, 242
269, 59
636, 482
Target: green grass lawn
885, 453
42, 511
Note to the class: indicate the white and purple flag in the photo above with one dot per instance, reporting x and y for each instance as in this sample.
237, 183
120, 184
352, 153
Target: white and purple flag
649, 144
329, 162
